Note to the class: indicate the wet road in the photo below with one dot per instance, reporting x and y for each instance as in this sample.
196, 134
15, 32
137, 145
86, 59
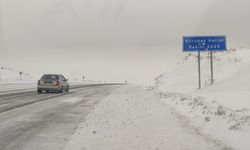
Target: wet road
31, 121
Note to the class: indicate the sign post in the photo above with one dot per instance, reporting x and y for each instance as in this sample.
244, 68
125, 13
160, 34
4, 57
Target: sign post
204, 43
199, 68
20, 73
212, 69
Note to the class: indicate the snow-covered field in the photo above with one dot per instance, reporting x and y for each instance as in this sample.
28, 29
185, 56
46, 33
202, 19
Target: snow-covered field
9, 75
232, 78
11, 81
221, 110
174, 114
133, 118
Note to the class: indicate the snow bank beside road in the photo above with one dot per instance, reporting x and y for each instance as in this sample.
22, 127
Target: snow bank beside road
211, 118
221, 110
132, 118
16, 87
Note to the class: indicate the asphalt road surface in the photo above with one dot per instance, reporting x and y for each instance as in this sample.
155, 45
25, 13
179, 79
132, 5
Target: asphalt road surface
31, 121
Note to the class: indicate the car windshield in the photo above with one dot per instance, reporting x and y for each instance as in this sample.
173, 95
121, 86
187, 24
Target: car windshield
50, 77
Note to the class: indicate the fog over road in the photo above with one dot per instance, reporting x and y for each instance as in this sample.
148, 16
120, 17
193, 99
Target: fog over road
31, 121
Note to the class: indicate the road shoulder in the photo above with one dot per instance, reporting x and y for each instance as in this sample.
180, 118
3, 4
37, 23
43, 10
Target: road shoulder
132, 118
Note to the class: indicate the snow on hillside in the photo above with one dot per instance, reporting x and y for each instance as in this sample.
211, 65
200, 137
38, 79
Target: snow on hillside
184, 77
11, 81
222, 109
232, 78
8, 75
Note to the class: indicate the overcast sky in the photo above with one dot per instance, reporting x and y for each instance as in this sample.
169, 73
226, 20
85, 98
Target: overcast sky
113, 40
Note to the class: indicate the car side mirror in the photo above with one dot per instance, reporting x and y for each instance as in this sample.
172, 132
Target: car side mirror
65, 80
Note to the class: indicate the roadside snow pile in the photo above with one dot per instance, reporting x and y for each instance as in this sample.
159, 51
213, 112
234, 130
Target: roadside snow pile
204, 111
221, 110
8, 75
211, 118
132, 118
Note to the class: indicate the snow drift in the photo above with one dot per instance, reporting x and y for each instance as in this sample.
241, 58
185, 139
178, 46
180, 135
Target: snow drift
131, 118
222, 109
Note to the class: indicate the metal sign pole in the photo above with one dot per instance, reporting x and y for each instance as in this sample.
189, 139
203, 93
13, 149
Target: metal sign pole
212, 69
199, 68
204, 43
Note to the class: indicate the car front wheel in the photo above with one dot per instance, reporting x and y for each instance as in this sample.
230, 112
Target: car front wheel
67, 90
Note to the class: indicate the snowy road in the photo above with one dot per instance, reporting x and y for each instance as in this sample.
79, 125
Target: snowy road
31, 121
94, 117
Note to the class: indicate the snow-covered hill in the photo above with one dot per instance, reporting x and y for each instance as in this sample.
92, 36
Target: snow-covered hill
221, 110
8, 75
231, 73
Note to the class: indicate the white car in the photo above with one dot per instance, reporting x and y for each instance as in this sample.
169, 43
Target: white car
52, 83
